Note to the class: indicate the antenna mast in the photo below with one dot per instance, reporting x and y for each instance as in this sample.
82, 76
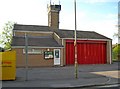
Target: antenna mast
59, 2
50, 2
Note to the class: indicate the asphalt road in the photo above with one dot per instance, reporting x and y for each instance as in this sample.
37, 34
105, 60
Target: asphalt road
94, 87
114, 86
89, 77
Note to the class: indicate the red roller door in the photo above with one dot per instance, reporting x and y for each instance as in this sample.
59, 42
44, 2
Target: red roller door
89, 52
70, 53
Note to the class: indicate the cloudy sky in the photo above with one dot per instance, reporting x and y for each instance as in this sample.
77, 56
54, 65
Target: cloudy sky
92, 15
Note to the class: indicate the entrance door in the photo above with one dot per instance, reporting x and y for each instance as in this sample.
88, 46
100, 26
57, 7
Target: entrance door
56, 56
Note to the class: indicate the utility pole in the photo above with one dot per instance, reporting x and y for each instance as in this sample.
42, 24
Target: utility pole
75, 44
26, 55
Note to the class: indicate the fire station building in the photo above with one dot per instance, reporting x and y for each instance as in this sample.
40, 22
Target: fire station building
50, 46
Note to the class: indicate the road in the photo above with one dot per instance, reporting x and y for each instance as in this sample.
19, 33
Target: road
89, 77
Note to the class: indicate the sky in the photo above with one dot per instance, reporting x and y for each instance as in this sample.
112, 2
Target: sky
92, 15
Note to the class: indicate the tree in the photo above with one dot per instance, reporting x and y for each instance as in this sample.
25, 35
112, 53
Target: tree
7, 34
117, 35
116, 52
1, 49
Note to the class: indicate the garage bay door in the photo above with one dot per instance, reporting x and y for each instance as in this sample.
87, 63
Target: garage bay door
89, 52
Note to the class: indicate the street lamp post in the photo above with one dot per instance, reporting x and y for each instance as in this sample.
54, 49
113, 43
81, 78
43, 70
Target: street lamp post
26, 55
75, 44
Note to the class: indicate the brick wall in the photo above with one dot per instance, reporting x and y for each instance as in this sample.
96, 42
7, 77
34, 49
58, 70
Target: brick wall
54, 20
34, 60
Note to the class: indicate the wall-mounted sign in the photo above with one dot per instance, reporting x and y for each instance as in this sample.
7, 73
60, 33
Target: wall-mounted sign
5, 64
48, 55
33, 51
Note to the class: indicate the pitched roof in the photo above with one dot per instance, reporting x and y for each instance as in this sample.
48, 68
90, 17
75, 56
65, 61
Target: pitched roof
80, 34
35, 41
62, 33
20, 27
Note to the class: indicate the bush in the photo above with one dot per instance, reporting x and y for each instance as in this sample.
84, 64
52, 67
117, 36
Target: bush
116, 52
1, 49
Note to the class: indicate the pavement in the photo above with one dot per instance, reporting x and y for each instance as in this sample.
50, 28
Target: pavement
64, 77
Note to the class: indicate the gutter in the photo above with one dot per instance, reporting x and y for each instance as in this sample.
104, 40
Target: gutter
35, 31
34, 47
86, 39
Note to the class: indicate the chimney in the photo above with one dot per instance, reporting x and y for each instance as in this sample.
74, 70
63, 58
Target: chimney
53, 16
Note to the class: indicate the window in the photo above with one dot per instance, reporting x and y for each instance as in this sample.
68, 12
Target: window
33, 51
48, 55
57, 54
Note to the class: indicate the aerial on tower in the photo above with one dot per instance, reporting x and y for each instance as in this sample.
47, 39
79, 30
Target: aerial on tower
53, 2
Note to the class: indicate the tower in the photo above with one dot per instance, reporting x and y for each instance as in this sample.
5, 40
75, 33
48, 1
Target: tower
53, 16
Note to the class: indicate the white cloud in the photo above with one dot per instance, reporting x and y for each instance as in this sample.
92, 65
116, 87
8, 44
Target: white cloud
112, 16
105, 26
67, 20
35, 13
20, 11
